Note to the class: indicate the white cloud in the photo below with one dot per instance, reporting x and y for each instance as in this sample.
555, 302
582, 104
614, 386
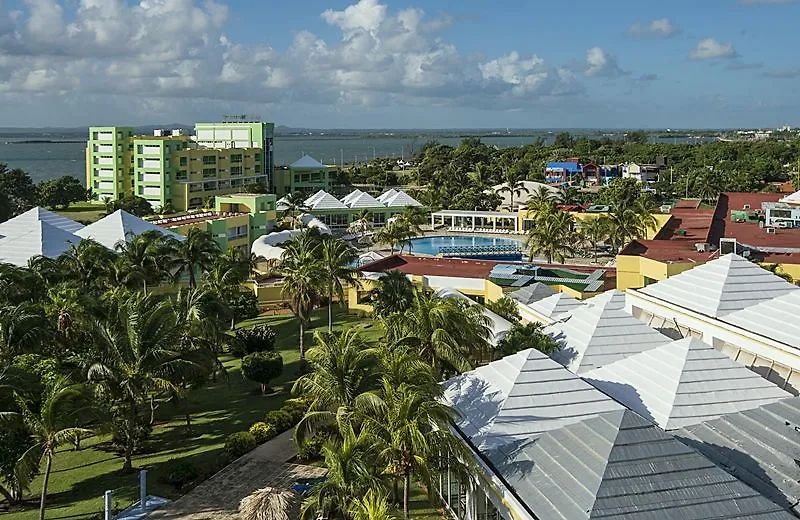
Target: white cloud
661, 28
602, 64
179, 49
709, 49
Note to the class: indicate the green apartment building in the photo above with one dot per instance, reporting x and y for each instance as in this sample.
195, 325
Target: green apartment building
306, 175
182, 171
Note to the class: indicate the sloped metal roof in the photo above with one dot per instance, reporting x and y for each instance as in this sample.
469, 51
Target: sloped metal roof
307, 162
400, 199
315, 197
759, 446
388, 194
532, 293
119, 227
519, 397
325, 201
556, 305
794, 198
684, 382
364, 200
596, 335
612, 299
618, 465
39, 238
347, 198
727, 284
776, 318
24, 222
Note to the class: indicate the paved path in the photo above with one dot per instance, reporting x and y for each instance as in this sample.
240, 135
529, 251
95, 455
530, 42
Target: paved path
218, 497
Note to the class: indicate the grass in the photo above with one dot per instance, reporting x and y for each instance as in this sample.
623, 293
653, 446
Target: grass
420, 506
84, 211
79, 478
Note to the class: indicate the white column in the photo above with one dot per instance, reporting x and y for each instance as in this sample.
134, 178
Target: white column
516, 223
433, 225
473, 222
494, 224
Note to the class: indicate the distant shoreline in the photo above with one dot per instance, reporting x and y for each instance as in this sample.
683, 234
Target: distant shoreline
45, 141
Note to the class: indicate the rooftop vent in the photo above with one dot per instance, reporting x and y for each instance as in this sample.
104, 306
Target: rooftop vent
746, 206
770, 230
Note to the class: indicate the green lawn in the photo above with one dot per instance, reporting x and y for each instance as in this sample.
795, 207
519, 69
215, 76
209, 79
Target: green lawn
84, 211
80, 478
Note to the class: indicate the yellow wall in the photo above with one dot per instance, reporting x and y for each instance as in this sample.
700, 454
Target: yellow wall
661, 220
792, 270
633, 270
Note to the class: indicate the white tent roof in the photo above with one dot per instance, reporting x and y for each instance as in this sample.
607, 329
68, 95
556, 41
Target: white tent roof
325, 201
351, 195
776, 318
612, 299
596, 335
499, 325
387, 195
519, 397
727, 284
400, 199
308, 163
25, 222
40, 238
683, 383
369, 257
794, 198
266, 251
119, 227
364, 200
278, 237
555, 305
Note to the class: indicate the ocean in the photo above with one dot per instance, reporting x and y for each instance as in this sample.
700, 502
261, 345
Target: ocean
49, 160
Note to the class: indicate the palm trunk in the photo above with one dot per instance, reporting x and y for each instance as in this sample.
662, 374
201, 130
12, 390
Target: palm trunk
330, 309
127, 466
395, 491
45, 482
144, 287
6, 494
406, 492
192, 283
187, 414
302, 349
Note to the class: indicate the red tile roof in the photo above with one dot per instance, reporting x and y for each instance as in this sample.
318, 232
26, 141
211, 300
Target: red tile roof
688, 203
749, 233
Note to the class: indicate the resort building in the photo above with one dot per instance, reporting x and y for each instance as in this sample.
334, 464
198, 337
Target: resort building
236, 221
169, 168
646, 173
755, 225
521, 198
39, 232
306, 175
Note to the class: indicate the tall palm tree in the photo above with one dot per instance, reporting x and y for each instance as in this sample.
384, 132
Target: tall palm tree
47, 426
337, 261
196, 253
629, 223
441, 330
567, 195
343, 371
552, 236
302, 279
513, 184
595, 231
393, 293
362, 223
87, 263
137, 355
23, 328
542, 200
141, 254
295, 203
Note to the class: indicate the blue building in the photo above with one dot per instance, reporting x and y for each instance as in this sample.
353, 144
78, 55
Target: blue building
561, 171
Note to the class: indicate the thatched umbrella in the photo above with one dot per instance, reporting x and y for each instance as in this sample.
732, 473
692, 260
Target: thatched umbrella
269, 504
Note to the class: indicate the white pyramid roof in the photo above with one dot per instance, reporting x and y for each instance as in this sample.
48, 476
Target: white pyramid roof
555, 305
325, 201
794, 198
282, 204
40, 238
315, 197
25, 222
532, 293
596, 335
727, 284
364, 200
519, 397
777, 318
683, 383
307, 162
119, 227
400, 199
387, 195
351, 195
612, 299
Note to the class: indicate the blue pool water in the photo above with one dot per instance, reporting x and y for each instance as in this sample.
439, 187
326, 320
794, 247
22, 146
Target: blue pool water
433, 245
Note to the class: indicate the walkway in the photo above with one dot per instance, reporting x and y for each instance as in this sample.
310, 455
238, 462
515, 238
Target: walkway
218, 497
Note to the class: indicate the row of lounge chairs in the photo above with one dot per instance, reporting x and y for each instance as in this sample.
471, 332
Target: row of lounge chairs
459, 229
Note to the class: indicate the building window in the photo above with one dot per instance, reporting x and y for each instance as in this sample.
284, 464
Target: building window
236, 170
236, 158
180, 175
209, 159
258, 157
209, 172
183, 161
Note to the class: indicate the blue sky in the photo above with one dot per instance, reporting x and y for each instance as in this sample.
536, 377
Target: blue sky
411, 64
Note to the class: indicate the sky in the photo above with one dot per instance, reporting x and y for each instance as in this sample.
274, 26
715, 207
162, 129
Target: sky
401, 64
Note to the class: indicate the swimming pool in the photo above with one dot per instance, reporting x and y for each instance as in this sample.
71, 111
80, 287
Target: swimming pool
433, 245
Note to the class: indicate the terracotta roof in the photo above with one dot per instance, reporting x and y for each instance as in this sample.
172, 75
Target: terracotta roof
749, 233
687, 203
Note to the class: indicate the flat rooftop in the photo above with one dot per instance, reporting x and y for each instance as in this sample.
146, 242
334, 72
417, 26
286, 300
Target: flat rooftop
193, 218
749, 233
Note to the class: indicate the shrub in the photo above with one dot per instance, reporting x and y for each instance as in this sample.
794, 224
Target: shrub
262, 432
179, 473
311, 449
256, 339
296, 409
239, 443
506, 308
262, 367
280, 420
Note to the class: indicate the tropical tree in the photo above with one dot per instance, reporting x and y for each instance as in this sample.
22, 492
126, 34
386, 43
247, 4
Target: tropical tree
142, 255
22, 329
594, 231
629, 223
396, 234
336, 262
393, 293
552, 236
522, 337
505, 307
295, 205
87, 263
60, 407
513, 184
194, 254
362, 223
541, 201
567, 195
302, 279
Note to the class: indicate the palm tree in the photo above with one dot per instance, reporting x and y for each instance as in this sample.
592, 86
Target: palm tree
542, 200
373, 506
295, 204
47, 426
629, 223
393, 293
595, 231
87, 263
552, 236
414, 217
141, 254
362, 223
441, 330
567, 195
267, 503
336, 262
196, 253
22, 329
343, 371
137, 355
302, 278
513, 184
